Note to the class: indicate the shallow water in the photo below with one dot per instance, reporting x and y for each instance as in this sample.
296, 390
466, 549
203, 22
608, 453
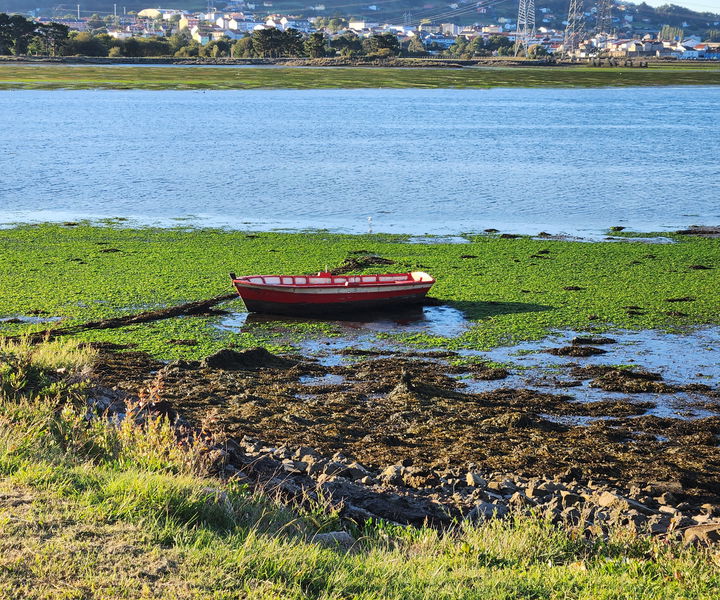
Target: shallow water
680, 358
417, 161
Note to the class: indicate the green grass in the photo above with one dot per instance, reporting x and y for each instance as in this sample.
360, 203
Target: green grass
207, 77
90, 510
512, 289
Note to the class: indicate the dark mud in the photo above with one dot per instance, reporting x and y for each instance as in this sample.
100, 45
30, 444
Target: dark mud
415, 411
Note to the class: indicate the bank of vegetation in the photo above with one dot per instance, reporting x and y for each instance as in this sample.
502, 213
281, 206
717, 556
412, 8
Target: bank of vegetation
516, 288
93, 508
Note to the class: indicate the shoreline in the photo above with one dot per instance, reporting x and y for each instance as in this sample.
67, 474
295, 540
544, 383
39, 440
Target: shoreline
94, 76
397, 62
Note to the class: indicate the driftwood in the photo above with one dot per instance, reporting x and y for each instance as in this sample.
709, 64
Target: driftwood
197, 307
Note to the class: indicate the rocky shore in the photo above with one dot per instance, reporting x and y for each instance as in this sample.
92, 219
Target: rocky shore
394, 438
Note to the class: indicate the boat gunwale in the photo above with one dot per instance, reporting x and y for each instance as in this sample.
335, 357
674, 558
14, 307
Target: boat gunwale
244, 281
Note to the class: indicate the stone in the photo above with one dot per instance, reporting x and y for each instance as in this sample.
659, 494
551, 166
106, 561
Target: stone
304, 453
294, 466
571, 516
335, 468
658, 524
487, 510
702, 535
569, 499
667, 498
656, 488
393, 474
475, 480
335, 539
617, 502
520, 500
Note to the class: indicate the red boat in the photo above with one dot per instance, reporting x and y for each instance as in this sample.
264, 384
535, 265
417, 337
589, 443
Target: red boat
324, 292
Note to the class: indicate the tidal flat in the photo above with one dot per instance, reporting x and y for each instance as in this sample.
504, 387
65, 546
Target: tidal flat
548, 422
507, 289
208, 77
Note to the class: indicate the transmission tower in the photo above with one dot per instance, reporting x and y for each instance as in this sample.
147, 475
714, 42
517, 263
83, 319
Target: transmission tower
574, 30
603, 16
525, 26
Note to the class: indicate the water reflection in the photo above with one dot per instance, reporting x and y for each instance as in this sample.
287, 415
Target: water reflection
444, 321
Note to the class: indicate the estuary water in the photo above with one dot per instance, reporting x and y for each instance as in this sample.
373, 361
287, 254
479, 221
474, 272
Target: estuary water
415, 161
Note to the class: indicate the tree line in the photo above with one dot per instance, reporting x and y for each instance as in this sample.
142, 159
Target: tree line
19, 35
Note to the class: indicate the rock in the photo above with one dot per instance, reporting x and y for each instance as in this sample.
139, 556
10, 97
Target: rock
658, 524
578, 351
571, 515
667, 498
294, 466
617, 502
591, 341
305, 453
335, 468
520, 500
486, 510
505, 486
568, 499
571, 474
475, 480
246, 360
540, 489
393, 475
712, 510
656, 488
219, 497
405, 509
335, 539
702, 535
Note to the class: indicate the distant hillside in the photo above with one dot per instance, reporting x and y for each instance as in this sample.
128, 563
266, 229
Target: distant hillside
550, 13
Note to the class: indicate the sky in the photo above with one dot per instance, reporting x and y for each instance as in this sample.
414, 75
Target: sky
700, 5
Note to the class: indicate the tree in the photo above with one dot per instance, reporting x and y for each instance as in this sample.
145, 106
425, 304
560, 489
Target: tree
384, 44
537, 51
54, 35
337, 23
49, 39
16, 33
416, 46
669, 34
95, 22
314, 45
347, 45
459, 47
178, 40
268, 42
192, 49
84, 44
216, 48
498, 42
712, 35
243, 48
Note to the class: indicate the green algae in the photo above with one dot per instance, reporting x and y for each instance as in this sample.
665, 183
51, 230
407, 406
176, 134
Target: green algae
512, 289
48, 77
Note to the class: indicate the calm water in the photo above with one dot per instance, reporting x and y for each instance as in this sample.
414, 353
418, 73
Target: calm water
419, 161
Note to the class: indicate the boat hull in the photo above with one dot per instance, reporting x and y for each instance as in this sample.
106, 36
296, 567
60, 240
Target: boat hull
348, 306
324, 299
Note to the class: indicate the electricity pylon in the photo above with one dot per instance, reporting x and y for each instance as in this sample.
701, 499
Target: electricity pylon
603, 16
525, 31
574, 30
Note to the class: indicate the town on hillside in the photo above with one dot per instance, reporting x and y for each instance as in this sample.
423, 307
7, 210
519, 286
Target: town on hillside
248, 30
